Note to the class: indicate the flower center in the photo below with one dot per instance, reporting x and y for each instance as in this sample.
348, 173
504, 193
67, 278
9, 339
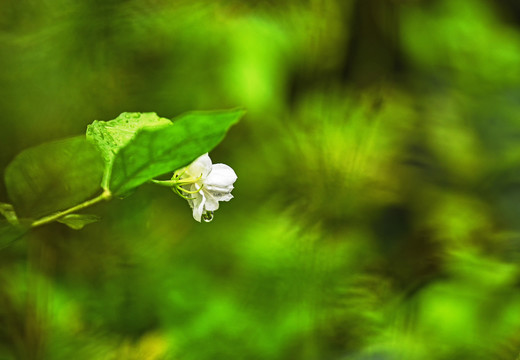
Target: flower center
179, 185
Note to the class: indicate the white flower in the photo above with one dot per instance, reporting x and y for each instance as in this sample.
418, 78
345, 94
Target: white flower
205, 184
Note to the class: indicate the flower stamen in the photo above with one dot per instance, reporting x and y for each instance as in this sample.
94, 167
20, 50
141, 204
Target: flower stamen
187, 181
176, 190
190, 191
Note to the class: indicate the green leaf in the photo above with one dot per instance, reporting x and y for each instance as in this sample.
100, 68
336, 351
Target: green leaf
7, 210
10, 233
78, 221
111, 136
53, 176
153, 152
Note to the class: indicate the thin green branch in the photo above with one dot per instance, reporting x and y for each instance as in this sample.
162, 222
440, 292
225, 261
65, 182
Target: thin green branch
106, 195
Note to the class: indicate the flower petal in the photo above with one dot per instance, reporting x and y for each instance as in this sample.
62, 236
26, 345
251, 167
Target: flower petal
198, 206
191, 197
201, 166
218, 195
221, 178
211, 201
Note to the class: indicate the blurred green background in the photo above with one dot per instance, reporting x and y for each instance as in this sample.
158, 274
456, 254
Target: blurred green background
376, 212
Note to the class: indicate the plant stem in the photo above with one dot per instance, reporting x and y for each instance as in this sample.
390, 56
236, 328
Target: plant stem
106, 195
167, 183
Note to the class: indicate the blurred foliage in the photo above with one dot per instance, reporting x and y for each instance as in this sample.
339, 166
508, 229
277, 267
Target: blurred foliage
376, 212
